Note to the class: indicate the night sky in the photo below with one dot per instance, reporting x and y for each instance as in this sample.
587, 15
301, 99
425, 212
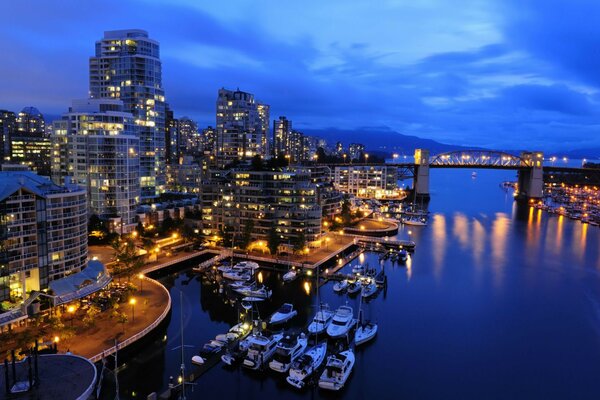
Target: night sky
497, 73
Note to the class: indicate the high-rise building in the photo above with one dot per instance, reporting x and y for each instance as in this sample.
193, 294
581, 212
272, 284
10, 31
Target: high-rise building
356, 150
242, 126
95, 145
43, 229
29, 144
282, 128
127, 66
171, 137
379, 182
8, 125
208, 139
190, 141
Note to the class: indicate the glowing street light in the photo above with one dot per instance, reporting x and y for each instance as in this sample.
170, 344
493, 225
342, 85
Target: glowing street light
132, 302
141, 276
71, 310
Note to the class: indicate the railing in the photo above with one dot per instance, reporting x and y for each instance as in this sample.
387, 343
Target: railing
143, 332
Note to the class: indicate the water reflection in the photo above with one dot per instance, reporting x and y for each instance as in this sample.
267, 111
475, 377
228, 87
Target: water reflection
498, 242
460, 229
479, 239
439, 236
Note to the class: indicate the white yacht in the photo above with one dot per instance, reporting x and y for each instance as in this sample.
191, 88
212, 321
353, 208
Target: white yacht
320, 321
338, 369
237, 275
306, 365
291, 275
284, 314
354, 287
287, 351
340, 286
254, 291
369, 289
358, 269
341, 322
365, 332
260, 350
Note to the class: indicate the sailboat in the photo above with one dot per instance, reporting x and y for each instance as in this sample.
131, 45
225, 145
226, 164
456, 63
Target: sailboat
366, 330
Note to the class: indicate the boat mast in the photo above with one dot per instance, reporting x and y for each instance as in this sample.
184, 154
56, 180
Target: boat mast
182, 347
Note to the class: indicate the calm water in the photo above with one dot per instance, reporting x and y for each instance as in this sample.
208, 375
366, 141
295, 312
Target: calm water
497, 303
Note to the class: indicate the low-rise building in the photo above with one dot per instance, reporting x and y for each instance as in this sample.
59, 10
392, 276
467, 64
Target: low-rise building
365, 181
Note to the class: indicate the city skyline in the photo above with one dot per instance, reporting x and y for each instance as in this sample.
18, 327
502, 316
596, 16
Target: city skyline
480, 75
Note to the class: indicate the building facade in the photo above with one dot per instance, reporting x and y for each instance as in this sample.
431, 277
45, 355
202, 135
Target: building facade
43, 228
242, 126
8, 126
29, 144
286, 201
95, 146
127, 66
364, 181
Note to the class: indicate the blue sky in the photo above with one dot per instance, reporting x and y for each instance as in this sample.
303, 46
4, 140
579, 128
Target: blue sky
495, 73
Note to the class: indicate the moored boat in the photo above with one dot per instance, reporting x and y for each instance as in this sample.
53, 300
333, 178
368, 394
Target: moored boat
340, 286
338, 369
287, 351
306, 365
284, 314
260, 350
320, 321
341, 322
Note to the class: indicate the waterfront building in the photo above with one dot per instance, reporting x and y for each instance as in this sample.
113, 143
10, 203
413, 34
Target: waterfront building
8, 125
95, 145
289, 142
29, 143
190, 139
364, 181
329, 198
283, 200
127, 66
242, 126
43, 228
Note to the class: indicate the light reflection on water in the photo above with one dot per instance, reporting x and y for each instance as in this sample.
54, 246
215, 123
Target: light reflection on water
493, 294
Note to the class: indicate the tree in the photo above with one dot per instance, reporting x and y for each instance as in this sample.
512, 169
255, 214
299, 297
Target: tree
226, 234
122, 319
247, 234
346, 214
299, 242
140, 228
90, 316
273, 240
257, 163
126, 257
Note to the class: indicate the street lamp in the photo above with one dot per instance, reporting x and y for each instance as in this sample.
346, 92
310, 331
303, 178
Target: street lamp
132, 302
366, 158
141, 276
71, 310
327, 239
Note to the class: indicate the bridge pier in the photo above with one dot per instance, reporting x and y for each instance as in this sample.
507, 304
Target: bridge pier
531, 177
421, 179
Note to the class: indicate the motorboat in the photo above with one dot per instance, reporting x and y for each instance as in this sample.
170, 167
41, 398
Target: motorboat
260, 350
287, 351
212, 347
341, 322
254, 291
291, 275
358, 269
284, 314
237, 353
247, 266
250, 299
415, 221
369, 289
236, 275
365, 332
320, 321
338, 369
198, 360
354, 287
306, 365
340, 286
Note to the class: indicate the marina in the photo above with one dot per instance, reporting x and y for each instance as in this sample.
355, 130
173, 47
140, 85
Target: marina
430, 285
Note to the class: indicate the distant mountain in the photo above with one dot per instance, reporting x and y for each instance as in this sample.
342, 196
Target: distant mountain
383, 140
592, 153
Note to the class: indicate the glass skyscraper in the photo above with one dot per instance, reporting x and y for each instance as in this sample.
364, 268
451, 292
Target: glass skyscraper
127, 66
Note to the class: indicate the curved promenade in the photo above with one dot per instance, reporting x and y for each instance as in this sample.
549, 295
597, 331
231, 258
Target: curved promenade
149, 328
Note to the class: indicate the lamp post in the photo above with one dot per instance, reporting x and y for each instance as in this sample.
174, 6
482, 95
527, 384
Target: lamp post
141, 276
366, 158
132, 303
71, 310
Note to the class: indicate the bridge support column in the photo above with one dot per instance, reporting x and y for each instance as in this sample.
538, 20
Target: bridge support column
421, 181
531, 177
